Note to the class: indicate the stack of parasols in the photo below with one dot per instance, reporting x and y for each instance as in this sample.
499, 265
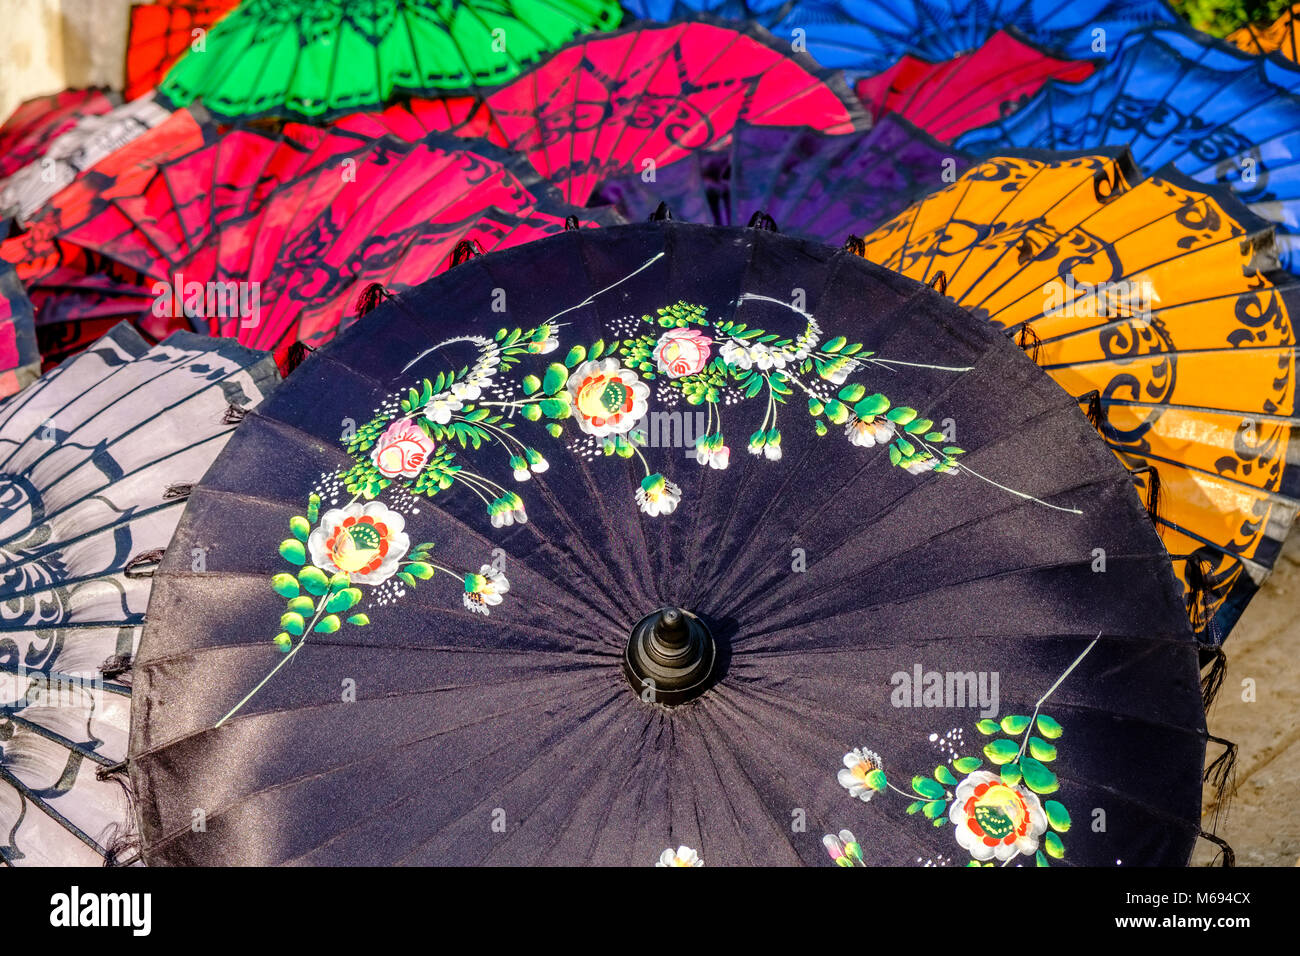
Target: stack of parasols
551, 432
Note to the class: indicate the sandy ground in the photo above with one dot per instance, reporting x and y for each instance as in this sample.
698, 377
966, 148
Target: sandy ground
1264, 649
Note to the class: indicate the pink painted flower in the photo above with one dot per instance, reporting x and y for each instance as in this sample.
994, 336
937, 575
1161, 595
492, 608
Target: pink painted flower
682, 352
402, 450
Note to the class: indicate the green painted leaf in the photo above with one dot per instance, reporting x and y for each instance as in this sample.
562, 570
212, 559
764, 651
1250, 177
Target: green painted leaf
927, 788
944, 775
901, 415
1037, 777
530, 384
360, 620
919, 425
313, 507
1040, 860
987, 727
871, 405
934, 809
343, 600
876, 780
532, 411
285, 585
339, 581
554, 408
420, 570
815, 407
1053, 845
1001, 751
293, 623
1041, 750
1014, 723
577, 355
834, 345
914, 806
556, 376
836, 412
302, 605
555, 430
313, 580
402, 575
1011, 773
1057, 815
300, 527
967, 764
1048, 727
327, 625
852, 392
291, 550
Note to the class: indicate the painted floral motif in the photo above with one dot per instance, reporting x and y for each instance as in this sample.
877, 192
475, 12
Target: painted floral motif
485, 589
363, 541
682, 856
997, 813
607, 399
862, 776
424, 442
994, 820
657, 495
603, 390
402, 450
682, 352
844, 848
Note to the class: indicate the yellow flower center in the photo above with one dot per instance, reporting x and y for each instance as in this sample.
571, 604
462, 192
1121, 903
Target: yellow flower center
602, 397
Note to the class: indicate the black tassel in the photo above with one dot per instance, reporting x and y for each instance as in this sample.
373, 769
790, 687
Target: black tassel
571, 224
761, 220
1212, 680
370, 298
122, 843
234, 414
116, 666
1225, 851
856, 245
1153, 492
145, 559
465, 250
1029, 341
1092, 410
181, 490
1197, 577
1221, 774
662, 213
297, 354
939, 282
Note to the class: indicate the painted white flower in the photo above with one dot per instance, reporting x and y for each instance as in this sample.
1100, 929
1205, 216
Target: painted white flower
485, 589
365, 541
746, 355
855, 777
718, 457
682, 856
995, 821
441, 407
466, 390
606, 398
658, 496
868, 432
507, 510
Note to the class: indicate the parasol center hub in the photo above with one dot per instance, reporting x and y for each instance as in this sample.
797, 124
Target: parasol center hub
670, 657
